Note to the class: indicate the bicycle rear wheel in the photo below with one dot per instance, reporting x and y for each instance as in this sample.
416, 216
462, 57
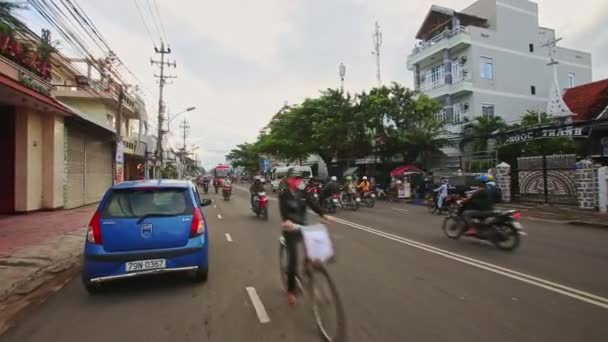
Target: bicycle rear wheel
327, 306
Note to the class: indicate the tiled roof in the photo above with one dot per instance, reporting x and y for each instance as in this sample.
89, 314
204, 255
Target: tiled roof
588, 100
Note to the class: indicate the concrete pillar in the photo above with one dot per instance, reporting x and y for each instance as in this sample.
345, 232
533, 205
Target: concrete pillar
21, 144
455, 22
447, 64
416, 76
503, 180
53, 165
28, 160
602, 182
586, 184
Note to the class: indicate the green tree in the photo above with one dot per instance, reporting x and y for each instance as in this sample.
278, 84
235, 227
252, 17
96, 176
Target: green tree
476, 134
246, 156
169, 171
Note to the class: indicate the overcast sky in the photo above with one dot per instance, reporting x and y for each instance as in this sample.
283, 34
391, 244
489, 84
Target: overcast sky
238, 61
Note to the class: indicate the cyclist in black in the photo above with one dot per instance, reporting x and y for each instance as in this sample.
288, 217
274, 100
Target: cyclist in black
292, 204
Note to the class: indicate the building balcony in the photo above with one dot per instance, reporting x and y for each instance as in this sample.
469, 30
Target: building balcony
18, 72
97, 90
435, 89
447, 39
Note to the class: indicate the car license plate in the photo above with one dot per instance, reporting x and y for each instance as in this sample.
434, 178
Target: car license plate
517, 225
144, 265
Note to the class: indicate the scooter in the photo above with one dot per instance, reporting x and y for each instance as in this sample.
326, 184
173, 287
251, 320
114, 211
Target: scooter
226, 191
260, 205
369, 199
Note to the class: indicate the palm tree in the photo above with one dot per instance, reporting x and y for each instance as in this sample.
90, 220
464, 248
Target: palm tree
476, 134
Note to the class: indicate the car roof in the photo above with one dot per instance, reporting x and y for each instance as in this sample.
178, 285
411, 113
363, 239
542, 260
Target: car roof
154, 183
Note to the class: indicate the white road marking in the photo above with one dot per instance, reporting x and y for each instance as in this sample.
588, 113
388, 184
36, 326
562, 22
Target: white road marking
399, 209
526, 278
215, 206
257, 305
228, 237
219, 216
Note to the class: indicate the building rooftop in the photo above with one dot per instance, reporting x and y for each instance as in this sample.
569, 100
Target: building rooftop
440, 17
587, 101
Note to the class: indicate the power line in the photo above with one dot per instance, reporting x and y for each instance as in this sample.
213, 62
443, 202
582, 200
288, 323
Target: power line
143, 20
154, 20
160, 20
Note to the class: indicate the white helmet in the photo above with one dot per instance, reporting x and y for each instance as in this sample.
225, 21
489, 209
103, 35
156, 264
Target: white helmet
334, 178
364, 177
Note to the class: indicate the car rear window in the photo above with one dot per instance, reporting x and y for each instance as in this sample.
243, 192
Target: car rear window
132, 203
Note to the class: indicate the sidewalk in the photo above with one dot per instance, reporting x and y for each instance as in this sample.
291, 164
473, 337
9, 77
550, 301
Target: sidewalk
559, 214
38, 249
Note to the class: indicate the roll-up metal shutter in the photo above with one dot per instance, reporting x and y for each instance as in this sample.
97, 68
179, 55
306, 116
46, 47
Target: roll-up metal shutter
98, 168
75, 168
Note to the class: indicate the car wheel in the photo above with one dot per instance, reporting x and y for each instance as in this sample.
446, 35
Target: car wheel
200, 276
92, 288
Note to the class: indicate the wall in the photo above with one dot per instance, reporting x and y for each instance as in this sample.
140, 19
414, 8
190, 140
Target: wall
28, 160
53, 162
95, 109
485, 9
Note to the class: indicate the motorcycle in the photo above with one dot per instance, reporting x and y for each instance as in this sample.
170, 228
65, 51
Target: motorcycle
351, 201
260, 205
313, 193
206, 187
501, 228
331, 204
368, 199
226, 191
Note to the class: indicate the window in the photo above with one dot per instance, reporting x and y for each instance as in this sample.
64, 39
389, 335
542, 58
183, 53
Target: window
571, 80
487, 110
531, 47
533, 90
441, 115
110, 121
487, 68
139, 202
457, 75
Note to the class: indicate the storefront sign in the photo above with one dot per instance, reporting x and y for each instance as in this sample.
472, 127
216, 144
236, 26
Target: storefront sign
120, 174
119, 177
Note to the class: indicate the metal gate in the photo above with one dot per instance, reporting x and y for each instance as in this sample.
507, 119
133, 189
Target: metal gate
88, 167
545, 179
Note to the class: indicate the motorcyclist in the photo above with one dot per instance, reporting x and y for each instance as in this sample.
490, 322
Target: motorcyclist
292, 204
331, 188
442, 193
364, 186
255, 188
478, 206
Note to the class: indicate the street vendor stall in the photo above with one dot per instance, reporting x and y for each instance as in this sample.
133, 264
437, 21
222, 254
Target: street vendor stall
404, 174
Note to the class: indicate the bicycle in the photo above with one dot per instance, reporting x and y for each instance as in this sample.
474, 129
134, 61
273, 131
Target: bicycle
317, 284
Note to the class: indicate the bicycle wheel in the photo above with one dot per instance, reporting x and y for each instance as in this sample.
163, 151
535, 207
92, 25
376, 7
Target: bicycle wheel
327, 306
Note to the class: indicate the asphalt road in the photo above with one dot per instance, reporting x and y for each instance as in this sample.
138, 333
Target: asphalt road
399, 277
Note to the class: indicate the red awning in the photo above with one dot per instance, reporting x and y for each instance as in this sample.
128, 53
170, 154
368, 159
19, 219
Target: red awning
399, 171
11, 83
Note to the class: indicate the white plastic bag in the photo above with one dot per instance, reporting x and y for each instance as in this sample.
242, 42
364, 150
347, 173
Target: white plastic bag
317, 241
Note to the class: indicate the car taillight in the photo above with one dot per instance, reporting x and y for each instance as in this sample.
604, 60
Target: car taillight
198, 223
516, 215
94, 231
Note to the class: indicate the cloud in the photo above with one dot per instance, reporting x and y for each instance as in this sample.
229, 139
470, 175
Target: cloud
238, 61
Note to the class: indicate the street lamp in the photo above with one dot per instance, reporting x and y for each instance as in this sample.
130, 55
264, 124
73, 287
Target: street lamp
176, 115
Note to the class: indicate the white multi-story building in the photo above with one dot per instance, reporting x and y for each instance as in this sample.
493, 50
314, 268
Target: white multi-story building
491, 59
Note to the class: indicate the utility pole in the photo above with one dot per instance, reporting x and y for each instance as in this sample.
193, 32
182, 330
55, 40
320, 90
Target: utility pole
556, 91
185, 127
377, 38
161, 84
342, 72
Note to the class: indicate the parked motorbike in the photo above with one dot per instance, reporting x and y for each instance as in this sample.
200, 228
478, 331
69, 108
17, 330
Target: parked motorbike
501, 228
260, 205
368, 199
227, 191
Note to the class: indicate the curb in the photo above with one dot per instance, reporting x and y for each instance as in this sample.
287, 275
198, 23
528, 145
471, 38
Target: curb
588, 224
35, 289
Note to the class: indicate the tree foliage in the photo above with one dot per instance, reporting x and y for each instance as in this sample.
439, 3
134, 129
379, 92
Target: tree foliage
387, 121
476, 134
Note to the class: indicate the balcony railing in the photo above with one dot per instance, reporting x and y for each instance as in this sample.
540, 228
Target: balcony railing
453, 115
445, 34
429, 83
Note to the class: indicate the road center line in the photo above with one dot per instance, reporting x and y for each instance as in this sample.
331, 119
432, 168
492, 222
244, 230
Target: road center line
257, 305
529, 279
228, 237
526, 278
399, 209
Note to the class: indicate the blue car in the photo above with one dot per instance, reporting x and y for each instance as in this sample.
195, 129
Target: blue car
146, 227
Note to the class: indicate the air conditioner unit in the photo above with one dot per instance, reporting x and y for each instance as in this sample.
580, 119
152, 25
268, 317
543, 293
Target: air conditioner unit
82, 80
